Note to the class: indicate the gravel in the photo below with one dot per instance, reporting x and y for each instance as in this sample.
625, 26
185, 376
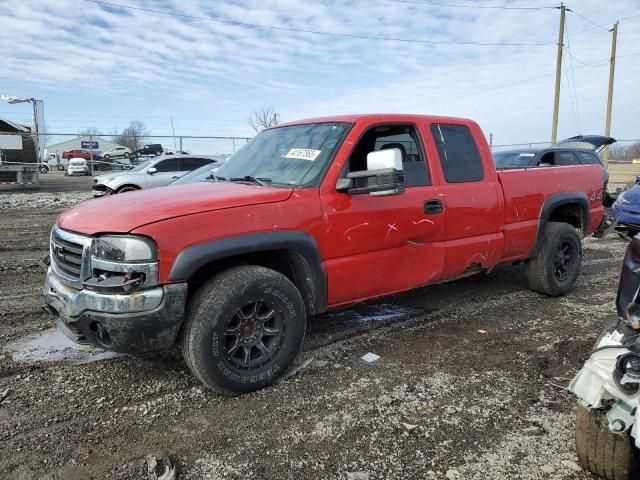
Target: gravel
444, 401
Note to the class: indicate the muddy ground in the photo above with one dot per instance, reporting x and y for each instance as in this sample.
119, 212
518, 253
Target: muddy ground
446, 400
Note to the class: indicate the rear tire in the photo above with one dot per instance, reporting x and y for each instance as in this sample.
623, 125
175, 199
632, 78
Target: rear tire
555, 269
243, 329
610, 456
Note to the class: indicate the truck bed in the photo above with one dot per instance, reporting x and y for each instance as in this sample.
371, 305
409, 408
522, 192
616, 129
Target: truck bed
525, 191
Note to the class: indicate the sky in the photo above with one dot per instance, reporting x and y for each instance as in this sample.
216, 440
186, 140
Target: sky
99, 65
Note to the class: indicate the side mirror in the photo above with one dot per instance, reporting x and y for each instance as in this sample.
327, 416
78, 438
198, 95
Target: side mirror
384, 175
152, 170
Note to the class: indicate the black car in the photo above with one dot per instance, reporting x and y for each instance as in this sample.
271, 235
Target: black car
154, 149
579, 150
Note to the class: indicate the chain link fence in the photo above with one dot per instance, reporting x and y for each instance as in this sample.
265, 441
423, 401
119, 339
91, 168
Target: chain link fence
42, 162
66, 163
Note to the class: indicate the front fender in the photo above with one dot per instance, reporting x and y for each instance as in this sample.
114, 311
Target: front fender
310, 271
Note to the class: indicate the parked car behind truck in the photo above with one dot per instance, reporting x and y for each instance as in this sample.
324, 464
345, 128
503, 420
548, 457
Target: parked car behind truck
152, 173
308, 216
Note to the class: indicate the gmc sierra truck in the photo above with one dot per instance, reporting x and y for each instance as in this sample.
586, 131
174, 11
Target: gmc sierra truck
308, 216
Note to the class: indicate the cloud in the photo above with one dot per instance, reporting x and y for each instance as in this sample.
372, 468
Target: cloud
219, 72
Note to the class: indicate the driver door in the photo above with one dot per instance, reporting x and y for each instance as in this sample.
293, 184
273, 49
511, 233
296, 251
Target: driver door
380, 244
166, 172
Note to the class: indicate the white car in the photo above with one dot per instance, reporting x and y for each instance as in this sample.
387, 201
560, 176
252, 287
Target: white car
159, 172
117, 152
77, 166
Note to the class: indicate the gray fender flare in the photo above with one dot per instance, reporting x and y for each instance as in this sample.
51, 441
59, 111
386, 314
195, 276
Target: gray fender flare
550, 204
306, 260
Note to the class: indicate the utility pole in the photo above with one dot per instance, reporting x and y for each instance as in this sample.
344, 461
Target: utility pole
612, 69
175, 147
556, 99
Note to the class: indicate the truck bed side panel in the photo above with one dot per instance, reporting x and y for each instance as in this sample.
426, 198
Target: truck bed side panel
526, 190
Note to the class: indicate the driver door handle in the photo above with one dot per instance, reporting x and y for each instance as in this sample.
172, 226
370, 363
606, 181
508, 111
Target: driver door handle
433, 206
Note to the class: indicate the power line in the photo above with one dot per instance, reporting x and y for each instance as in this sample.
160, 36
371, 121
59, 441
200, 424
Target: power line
314, 32
603, 27
496, 7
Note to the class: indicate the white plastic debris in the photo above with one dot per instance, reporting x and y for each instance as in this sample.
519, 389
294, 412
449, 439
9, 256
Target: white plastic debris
370, 357
160, 467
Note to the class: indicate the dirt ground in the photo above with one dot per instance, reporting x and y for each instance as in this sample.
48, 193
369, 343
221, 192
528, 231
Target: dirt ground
469, 386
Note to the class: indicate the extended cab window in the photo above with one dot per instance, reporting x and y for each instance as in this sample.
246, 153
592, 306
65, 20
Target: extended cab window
402, 137
170, 165
459, 155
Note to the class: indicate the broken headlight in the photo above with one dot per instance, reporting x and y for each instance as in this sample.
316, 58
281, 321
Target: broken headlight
121, 248
122, 264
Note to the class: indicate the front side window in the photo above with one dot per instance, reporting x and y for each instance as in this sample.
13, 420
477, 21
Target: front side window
512, 159
291, 156
459, 155
401, 137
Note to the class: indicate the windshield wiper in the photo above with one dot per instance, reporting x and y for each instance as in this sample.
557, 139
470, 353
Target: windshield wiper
249, 178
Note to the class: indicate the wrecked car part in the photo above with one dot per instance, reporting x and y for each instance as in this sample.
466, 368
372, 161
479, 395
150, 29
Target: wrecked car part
627, 373
620, 417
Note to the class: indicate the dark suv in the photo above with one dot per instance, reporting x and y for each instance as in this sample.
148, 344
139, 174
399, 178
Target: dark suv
578, 150
149, 150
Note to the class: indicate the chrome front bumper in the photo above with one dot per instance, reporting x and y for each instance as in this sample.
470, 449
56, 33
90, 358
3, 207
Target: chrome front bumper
78, 301
142, 321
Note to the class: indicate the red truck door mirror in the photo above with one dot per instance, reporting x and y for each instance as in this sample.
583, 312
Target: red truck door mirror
384, 175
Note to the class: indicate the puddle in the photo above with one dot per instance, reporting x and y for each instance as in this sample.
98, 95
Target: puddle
377, 313
52, 346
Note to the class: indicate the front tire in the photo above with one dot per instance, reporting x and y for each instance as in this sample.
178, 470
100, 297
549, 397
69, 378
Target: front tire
602, 452
555, 269
243, 329
127, 188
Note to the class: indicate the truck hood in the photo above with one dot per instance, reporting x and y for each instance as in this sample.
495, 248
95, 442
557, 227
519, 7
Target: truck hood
127, 211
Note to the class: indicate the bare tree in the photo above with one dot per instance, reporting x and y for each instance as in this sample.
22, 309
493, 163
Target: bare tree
133, 136
264, 117
90, 132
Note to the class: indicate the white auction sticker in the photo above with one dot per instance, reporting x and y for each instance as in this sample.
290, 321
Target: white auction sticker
303, 154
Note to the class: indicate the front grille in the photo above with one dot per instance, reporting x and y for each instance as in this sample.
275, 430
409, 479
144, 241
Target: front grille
67, 255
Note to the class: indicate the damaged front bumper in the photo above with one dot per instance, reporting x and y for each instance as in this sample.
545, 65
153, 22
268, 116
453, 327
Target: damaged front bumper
604, 384
142, 321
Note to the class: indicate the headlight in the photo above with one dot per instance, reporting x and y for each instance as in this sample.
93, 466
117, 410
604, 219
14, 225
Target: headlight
120, 248
621, 199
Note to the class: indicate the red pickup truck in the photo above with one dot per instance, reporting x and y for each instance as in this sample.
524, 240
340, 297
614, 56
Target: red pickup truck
308, 216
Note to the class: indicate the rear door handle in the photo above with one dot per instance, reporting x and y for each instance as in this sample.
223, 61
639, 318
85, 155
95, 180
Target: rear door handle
433, 206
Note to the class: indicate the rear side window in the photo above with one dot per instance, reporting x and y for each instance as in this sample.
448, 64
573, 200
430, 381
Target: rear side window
188, 164
459, 156
170, 165
566, 158
589, 158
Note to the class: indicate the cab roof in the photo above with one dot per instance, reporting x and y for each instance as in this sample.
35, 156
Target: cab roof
375, 118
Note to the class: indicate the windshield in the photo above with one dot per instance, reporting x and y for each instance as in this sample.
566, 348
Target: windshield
287, 156
513, 159
142, 166
202, 174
